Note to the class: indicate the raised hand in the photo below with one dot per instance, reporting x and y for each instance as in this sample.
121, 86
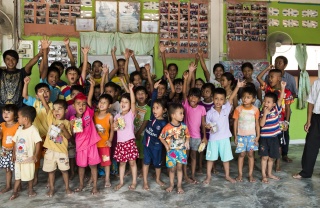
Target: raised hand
27, 80
45, 43
166, 74
147, 67
105, 69
192, 67
156, 85
126, 54
66, 41
114, 49
91, 81
241, 84
283, 84
131, 86
85, 50
266, 111
185, 75
162, 48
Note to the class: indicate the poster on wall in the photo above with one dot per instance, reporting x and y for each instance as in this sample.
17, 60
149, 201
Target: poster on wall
106, 16
235, 66
184, 28
129, 17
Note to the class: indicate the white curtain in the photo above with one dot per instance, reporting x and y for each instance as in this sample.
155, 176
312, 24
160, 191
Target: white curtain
102, 43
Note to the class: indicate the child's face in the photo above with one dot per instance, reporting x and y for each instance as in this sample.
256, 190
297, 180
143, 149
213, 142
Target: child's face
103, 104
247, 73
80, 106
125, 104
157, 110
178, 115
10, 62
219, 100
121, 65
137, 81
224, 82
96, 93
178, 87
74, 93
198, 84
58, 112
8, 116
268, 103
141, 97
218, 72
193, 101
110, 91
53, 78
97, 69
144, 73
161, 91
206, 93
274, 79
247, 99
148, 87
279, 64
46, 93
21, 119
172, 72
72, 77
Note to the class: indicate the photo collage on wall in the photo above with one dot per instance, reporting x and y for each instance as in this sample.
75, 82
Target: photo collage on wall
247, 22
52, 12
184, 28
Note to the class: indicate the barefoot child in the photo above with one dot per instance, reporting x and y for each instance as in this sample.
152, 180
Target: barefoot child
86, 138
246, 130
56, 143
27, 147
175, 137
218, 122
104, 125
152, 147
7, 131
126, 149
270, 131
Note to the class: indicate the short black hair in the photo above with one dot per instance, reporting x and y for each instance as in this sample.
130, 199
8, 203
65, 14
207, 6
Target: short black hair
195, 92
271, 95
72, 68
208, 85
112, 85
121, 59
284, 59
126, 96
172, 109
248, 85
231, 78
61, 102
77, 88
164, 83
11, 53
162, 102
12, 108
81, 65
57, 64
246, 65
97, 61
177, 81
107, 97
173, 64
220, 91
141, 88
217, 66
133, 74
41, 85
28, 112
53, 69
201, 80
278, 71
250, 90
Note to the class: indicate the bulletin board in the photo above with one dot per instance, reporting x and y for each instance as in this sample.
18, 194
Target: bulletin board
247, 30
184, 28
51, 17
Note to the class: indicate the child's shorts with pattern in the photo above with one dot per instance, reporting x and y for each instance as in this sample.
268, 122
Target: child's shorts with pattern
246, 144
176, 156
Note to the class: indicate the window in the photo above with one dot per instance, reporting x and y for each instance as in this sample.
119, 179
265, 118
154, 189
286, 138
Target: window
312, 62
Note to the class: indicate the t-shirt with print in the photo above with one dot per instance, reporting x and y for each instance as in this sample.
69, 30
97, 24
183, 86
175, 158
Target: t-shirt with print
287, 99
127, 132
103, 128
222, 121
246, 119
41, 119
57, 143
89, 135
66, 91
11, 85
271, 128
175, 136
55, 91
143, 114
7, 135
25, 144
193, 117
152, 133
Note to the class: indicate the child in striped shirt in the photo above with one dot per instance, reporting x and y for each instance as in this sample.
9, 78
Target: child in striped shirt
270, 130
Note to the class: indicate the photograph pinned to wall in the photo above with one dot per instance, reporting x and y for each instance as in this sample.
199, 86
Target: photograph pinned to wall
151, 5
53, 21
64, 21
129, 17
164, 5
40, 20
64, 8
106, 16
85, 24
41, 6
71, 1
86, 3
29, 19
150, 16
149, 26
85, 14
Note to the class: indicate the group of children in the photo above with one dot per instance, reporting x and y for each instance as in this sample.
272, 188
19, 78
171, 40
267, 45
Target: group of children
111, 118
